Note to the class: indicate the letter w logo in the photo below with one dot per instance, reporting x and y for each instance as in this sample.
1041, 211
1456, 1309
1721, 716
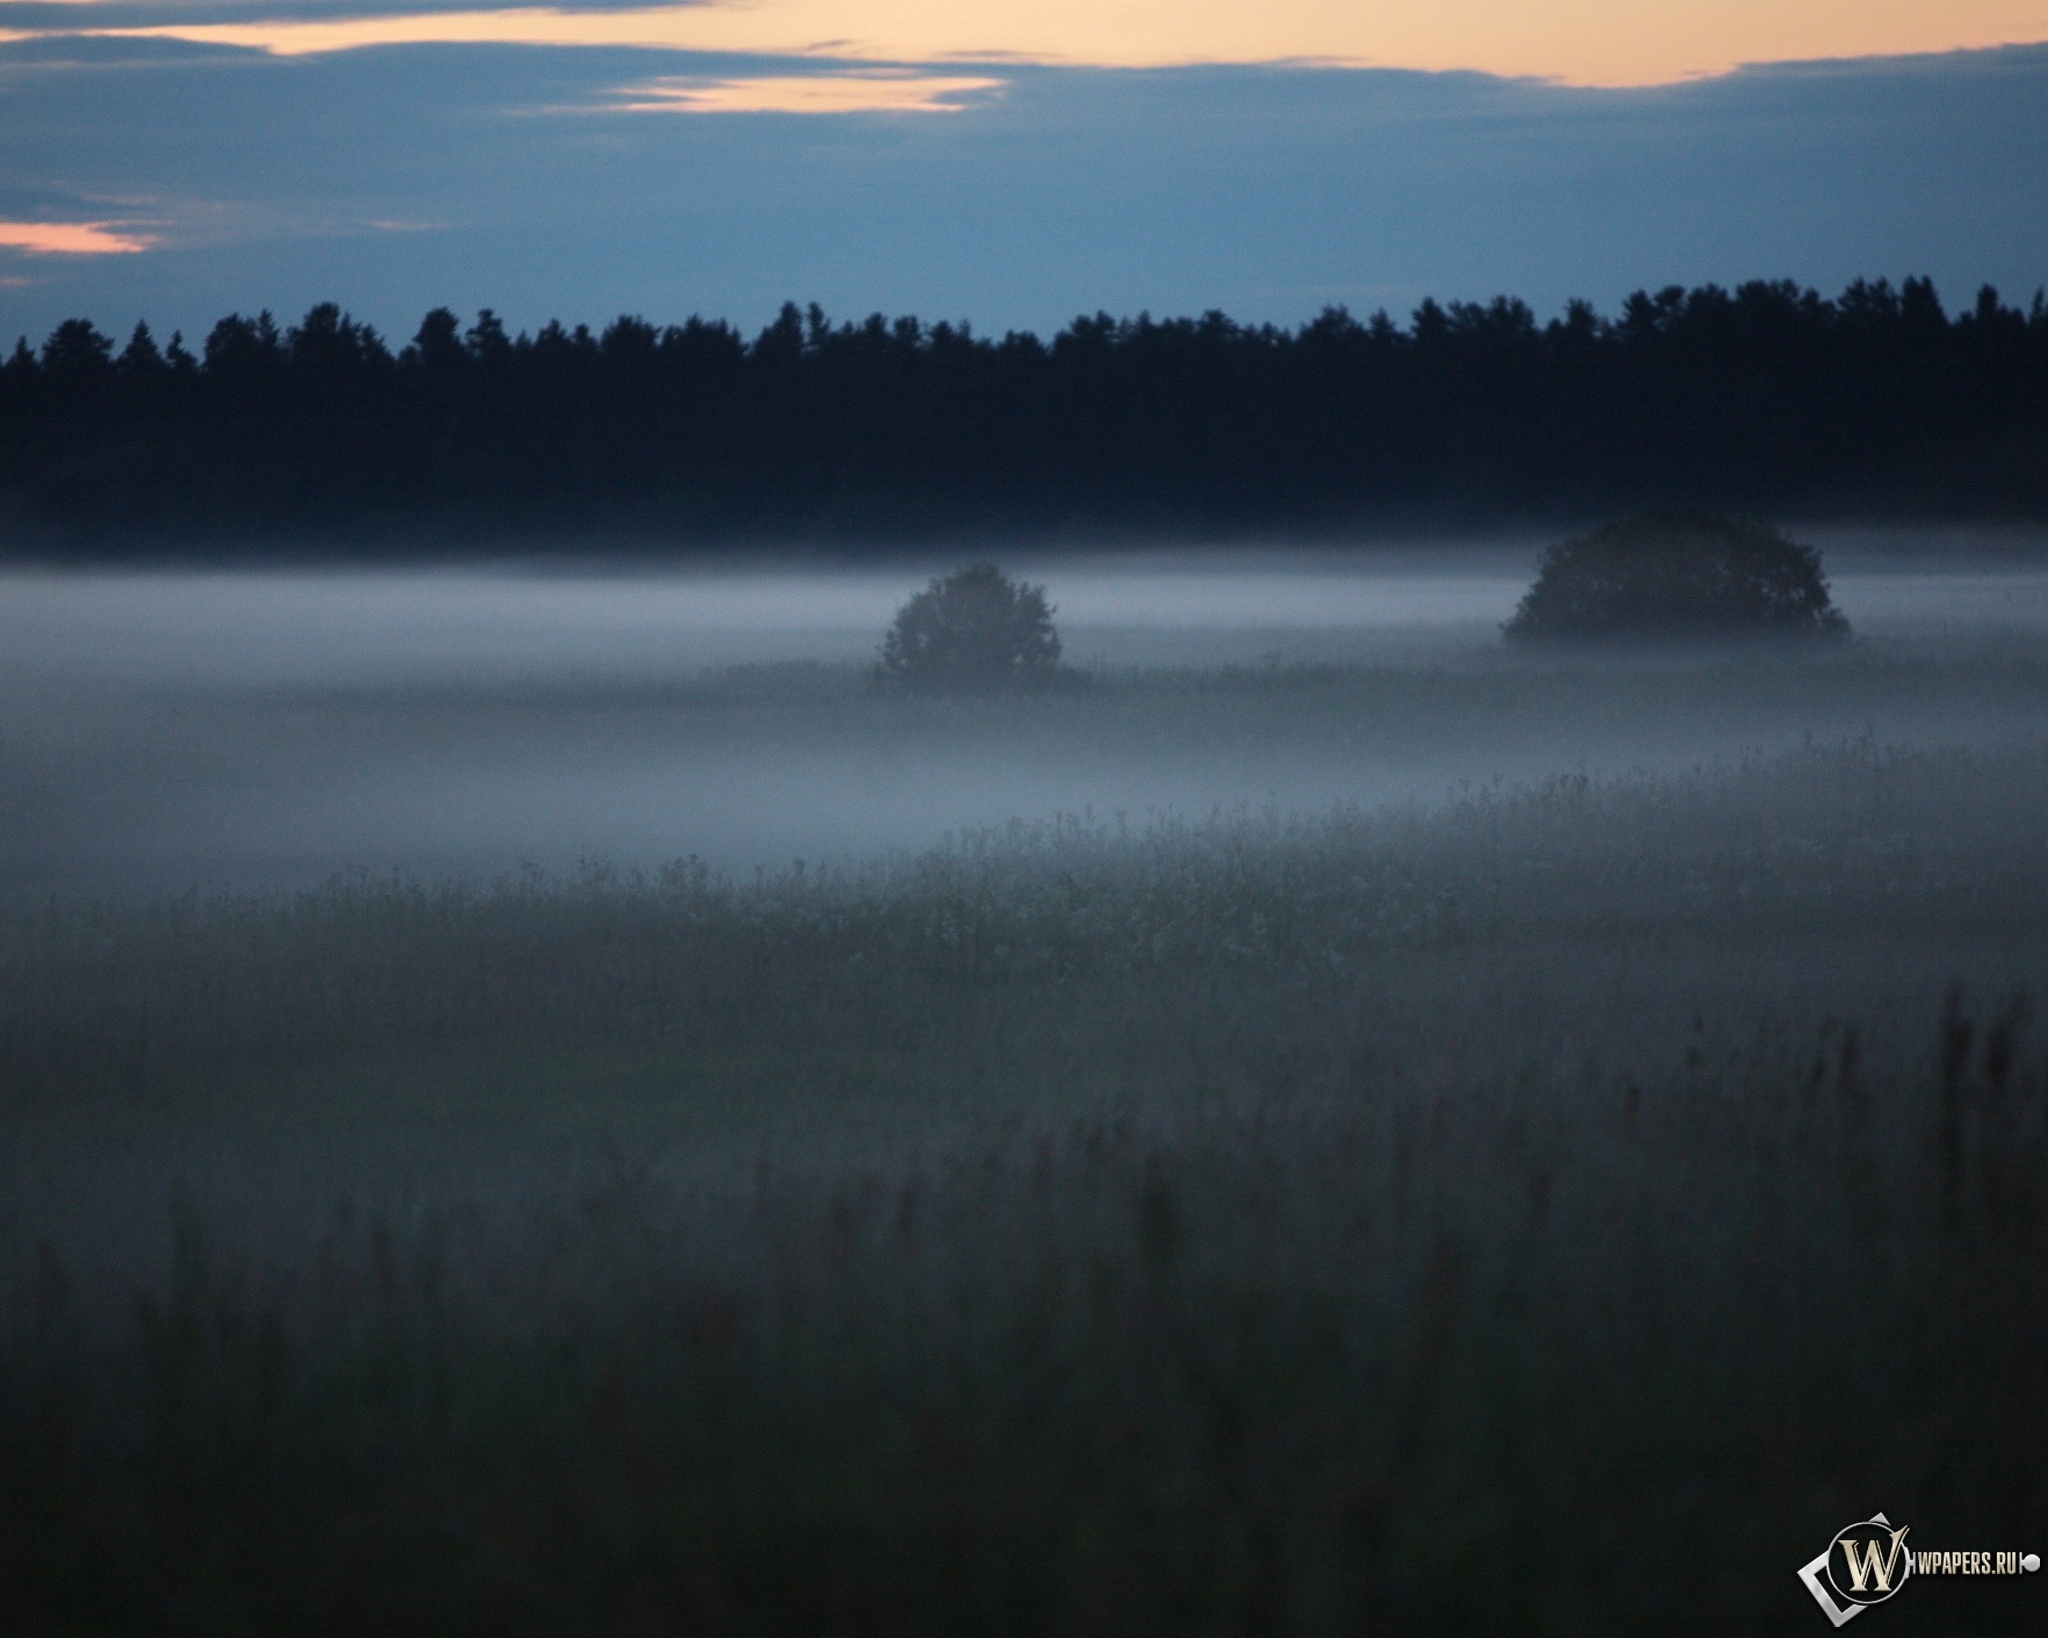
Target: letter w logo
1873, 1570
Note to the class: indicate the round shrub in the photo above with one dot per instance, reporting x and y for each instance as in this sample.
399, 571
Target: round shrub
975, 632
1677, 575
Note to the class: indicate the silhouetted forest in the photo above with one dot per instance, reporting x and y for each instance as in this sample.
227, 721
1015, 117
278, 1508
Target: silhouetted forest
1765, 398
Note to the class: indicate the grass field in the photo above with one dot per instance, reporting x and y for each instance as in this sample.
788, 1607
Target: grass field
1557, 1206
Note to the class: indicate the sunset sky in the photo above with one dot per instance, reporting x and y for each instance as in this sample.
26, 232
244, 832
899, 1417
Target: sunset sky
1008, 161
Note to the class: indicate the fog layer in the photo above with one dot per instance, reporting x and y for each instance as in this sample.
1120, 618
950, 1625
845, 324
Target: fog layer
159, 730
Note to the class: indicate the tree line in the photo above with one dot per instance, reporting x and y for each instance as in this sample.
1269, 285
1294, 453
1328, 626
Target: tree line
1764, 398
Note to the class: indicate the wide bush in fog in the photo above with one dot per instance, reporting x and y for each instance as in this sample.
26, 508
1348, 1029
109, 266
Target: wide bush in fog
1677, 574
975, 632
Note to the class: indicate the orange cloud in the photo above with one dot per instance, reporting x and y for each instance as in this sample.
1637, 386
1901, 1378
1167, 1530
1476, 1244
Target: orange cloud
1587, 42
878, 92
71, 239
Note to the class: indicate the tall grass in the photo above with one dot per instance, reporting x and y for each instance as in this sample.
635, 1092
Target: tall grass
1556, 1211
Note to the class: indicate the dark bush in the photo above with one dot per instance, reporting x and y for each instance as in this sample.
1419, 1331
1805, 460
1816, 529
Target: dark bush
1677, 574
975, 632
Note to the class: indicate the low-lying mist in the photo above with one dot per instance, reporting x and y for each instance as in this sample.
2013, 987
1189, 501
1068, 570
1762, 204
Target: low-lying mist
164, 730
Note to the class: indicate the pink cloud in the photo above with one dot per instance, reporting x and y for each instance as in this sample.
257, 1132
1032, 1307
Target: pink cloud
871, 92
72, 239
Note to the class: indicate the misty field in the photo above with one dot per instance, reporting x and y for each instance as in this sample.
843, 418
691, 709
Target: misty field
1412, 1201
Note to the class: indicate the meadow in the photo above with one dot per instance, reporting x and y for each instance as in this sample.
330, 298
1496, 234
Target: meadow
1417, 1190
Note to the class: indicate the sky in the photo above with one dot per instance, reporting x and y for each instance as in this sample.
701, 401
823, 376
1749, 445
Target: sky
1009, 162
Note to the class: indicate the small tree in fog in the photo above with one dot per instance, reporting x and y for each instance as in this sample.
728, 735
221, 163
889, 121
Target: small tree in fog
975, 632
1677, 575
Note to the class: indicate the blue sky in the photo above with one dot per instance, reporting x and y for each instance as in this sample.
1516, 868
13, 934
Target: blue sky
399, 177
